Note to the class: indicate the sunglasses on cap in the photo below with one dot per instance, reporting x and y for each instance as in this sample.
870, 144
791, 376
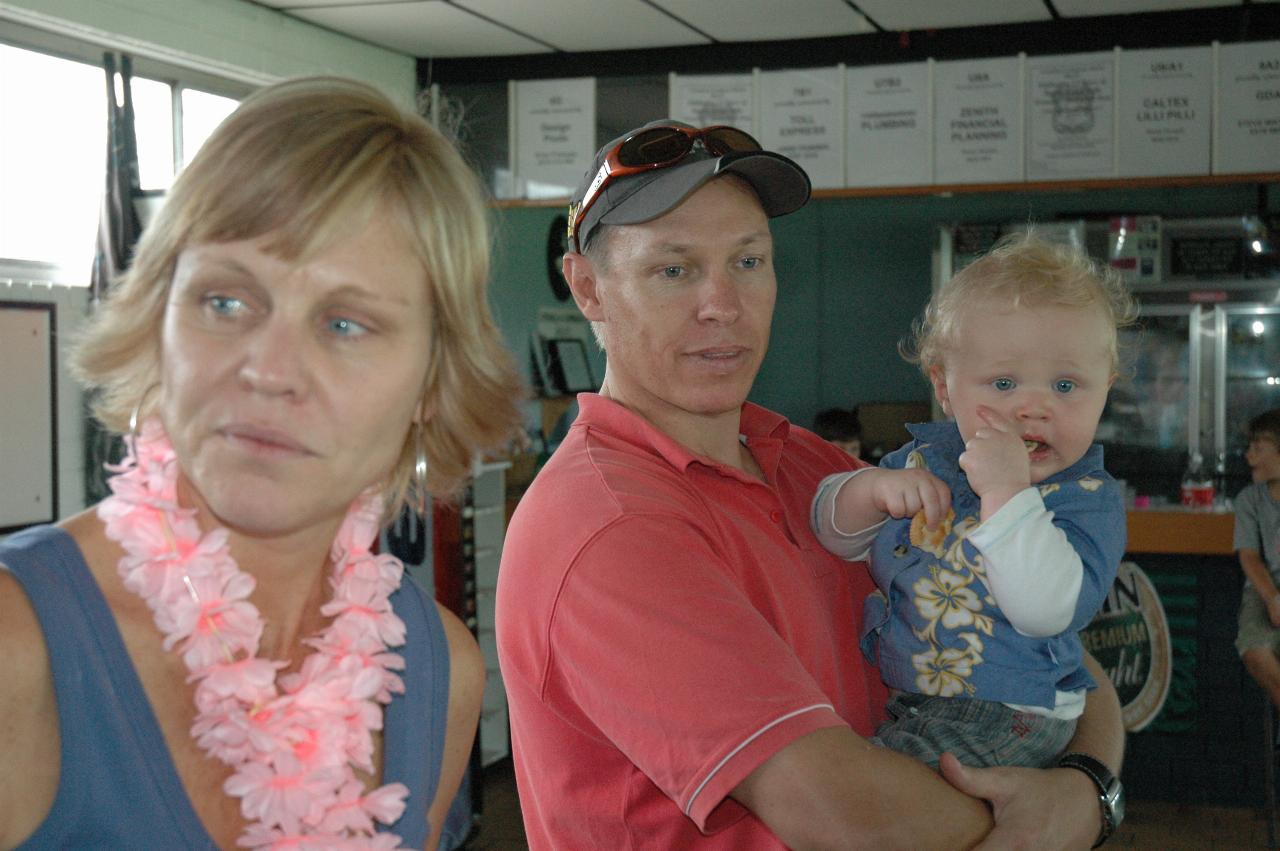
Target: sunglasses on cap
655, 147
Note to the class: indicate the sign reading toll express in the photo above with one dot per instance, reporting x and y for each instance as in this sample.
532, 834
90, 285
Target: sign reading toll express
1130, 639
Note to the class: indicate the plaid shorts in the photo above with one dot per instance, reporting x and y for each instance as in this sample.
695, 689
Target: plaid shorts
981, 733
1255, 631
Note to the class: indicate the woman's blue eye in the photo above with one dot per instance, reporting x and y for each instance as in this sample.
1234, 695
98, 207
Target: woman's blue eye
750, 262
343, 327
1003, 384
224, 305
1064, 385
672, 271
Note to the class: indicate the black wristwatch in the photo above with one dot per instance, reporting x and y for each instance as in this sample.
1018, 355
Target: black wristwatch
1110, 792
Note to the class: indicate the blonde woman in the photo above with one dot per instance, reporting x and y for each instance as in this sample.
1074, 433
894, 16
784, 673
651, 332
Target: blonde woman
213, 656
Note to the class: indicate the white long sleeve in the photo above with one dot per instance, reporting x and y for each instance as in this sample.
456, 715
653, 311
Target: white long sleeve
1032, 570
850, 546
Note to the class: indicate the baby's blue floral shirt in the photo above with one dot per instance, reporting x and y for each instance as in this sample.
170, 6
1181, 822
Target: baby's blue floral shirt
935, 629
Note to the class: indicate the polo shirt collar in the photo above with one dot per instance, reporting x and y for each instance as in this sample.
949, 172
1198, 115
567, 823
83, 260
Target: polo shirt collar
764, 431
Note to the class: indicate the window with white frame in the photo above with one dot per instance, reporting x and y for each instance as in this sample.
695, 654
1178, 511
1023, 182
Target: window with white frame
53, 151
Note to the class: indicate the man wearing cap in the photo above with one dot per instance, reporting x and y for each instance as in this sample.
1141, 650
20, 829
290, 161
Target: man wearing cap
679, 653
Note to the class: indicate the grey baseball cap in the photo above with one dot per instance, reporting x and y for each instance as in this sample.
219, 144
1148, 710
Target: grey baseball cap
781, 185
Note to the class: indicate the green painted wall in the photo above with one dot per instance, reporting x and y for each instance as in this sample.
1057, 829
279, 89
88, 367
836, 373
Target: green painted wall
852, 275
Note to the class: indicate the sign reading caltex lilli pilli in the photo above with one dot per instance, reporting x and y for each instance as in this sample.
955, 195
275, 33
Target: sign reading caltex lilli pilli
1165, 102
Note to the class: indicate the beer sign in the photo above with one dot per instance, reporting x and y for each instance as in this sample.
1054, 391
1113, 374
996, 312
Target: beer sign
1130, 639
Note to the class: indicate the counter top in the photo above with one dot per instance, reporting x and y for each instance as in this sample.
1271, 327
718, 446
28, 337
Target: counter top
1174, 529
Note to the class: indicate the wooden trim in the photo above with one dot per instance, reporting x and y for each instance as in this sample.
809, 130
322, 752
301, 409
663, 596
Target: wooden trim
1050, 186
1175, 531
945, 189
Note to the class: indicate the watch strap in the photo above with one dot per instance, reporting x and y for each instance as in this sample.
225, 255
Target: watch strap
1102, 778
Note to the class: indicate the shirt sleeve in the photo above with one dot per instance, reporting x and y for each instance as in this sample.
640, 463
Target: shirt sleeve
1049, 571
850, 546
664, 654
1248, 533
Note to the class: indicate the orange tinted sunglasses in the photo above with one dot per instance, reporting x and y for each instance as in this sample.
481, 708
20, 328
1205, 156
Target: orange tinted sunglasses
655, 147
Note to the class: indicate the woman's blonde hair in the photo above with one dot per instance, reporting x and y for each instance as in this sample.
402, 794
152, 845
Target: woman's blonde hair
308, 162
1021, 270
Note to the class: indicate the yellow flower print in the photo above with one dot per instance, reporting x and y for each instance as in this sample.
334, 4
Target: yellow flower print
946, 596
1045, 490
943, 672
1089, 483
915, 460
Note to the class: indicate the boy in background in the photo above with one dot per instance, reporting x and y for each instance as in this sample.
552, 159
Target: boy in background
1257, 541
1005, 531
841, 427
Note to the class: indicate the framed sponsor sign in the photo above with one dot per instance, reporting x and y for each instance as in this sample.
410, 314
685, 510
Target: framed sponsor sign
889, 117
1070, 116
1247, 131
554, 125
1164, 106
802, 117
977, 114
706, 99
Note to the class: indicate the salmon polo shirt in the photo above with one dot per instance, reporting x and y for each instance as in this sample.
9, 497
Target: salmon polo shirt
665, 625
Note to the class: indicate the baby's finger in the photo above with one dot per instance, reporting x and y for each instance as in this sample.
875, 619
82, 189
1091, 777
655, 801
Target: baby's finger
995, 419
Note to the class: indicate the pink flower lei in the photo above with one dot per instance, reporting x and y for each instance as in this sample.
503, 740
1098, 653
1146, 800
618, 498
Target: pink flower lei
292, 742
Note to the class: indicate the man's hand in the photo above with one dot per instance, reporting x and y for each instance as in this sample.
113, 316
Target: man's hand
1053, 810
905, 493
995, 460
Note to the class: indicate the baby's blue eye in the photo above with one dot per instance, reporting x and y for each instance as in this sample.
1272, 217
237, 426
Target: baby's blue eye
1003, 384
343, 327
1064, 385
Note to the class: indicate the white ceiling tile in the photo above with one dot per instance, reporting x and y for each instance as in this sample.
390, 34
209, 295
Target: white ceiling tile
424, 29
292, 6
585, 25
768, 20
1085, 8
899, 15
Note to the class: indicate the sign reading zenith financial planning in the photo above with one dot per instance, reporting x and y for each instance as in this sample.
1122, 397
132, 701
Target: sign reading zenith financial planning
1248, 131
978, 120
1069, 116
801, 116
890, 135
1165, 103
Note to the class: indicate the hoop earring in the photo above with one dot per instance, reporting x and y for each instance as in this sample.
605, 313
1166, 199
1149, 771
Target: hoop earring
419, 470
135, 417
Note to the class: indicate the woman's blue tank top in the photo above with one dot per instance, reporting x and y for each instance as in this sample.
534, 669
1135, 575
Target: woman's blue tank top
118, 787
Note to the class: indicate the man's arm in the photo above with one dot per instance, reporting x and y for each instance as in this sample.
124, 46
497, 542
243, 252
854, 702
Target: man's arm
832, 789
1056, 808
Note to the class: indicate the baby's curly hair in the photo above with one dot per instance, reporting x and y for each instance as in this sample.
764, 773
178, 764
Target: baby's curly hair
1022, 270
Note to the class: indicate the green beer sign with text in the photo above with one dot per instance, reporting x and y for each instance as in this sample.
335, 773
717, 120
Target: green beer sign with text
1130, 639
